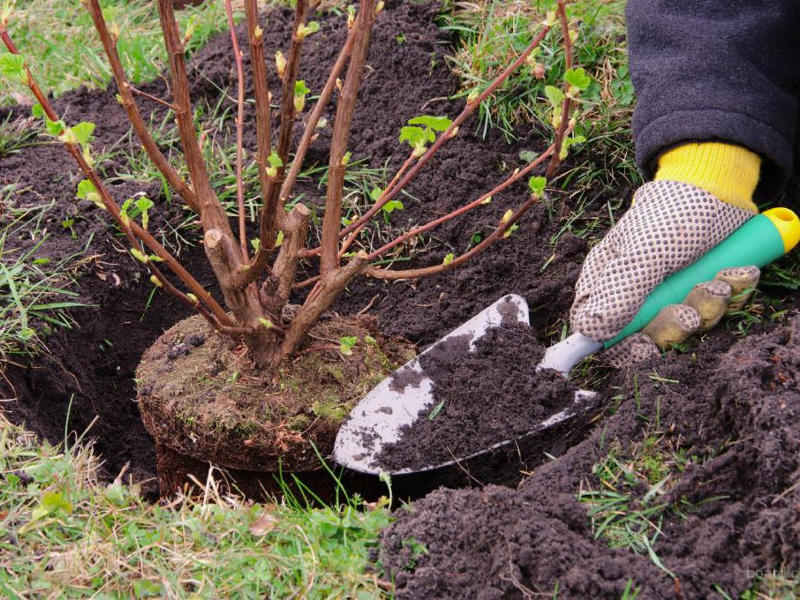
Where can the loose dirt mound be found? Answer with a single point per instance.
(730, 511)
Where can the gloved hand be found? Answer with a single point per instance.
(669, 226)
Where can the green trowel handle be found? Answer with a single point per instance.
(761, 240)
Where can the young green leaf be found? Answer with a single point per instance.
(417, 138)
(577, 78)
(275, 163)
(300, 88)
(280, 63)
(83, 132)
(392, 206)
(346, 344)
(304, 31)
(86, 187)
(554, 95)
(256, 244)
(568, 143)
(144, 204)
(435, 123)
(123, 211)
(37, 110)
(279, 238)
(300, 93)
(448, 259)
(413, 135)
(12, 66)
(375, 194)
(155, 281)
(139, 255)
(266, 323)
(87, 191)
(54, 128)
(536, 185)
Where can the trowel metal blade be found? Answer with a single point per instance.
(401, 398)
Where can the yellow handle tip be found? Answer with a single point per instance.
(788, 225)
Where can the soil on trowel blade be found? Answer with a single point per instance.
(481, 397)
(719, 425)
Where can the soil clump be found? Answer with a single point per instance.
(482, 397)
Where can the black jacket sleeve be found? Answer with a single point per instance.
(723, 70)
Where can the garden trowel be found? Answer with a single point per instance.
(400, 399)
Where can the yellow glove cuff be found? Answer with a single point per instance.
(727, 171)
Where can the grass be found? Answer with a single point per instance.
(492, 33)
(619, 513)
(14, 136)
(59, 40)
(64, 534)
(35, 291)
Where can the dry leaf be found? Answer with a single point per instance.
(264, 524)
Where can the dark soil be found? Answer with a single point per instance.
(200, 395)
(483, 397)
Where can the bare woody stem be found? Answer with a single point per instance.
(501, 229)
(287, 114)
(237, 57)
(244, 303)
(566, 106)
(516, 176)
(267, 235)
(212, 214)
(263, 131)
(285, 266)
(129, 104)
(314, 117)
(319, 300)
(331, 224)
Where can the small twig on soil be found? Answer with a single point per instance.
(144, 94)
